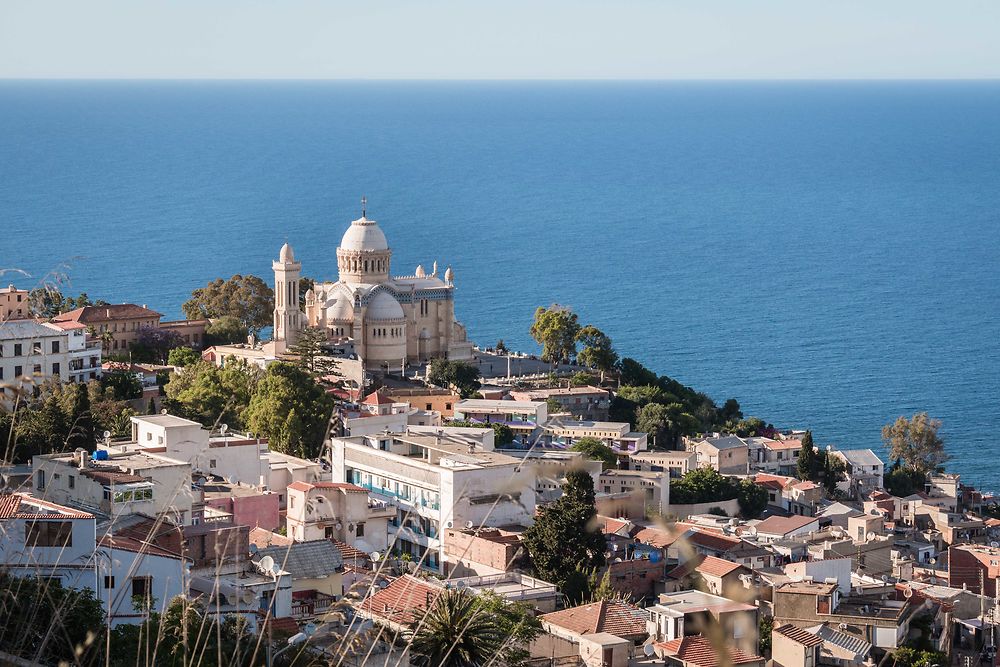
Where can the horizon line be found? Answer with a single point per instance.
(846, 79)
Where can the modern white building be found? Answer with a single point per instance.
(865, 471)
(619, 436)
(436, 482)
(525, 418)
(136, 578)
(84, 352)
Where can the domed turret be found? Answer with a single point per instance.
(449, 275)
(420, 273)
(286, 254)
(363, 256)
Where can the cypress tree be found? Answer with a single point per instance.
(807, 464)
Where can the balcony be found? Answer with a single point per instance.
(310, 607)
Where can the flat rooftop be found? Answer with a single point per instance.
(687, 602)
(488, 405)
(557, 423)
(165, 420)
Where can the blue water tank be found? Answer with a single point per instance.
(100, 455)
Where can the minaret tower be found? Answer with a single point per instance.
(288, 317)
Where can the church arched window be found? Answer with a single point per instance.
(366, 266)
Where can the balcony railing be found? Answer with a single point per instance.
(314, 606)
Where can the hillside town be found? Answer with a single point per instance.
(333, 473)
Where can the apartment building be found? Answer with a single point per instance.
(123, 321)
(33, 350)
(84, 352)
(581, 403)
(14, 304)
(619, 436)
(436, 482)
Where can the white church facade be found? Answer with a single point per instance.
(390, 319)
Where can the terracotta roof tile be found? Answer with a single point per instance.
(712, 540)
(351, 554)
(263, 538)
(686, 568)
(782, 525)
(120, 311)
(617, 618)
(717, 567)
(403, 601)
(24, 506)
(698, 650)
(136, 546)
(309, 486)
(658, 537)
(799, 635)
(377, 398)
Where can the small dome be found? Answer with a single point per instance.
(364, 234)
(449, 275)
(384, 307)
(420, 273)
(339, 310)
(310, 296)
(286, 254)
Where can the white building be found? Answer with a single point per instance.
(136, 578)
(115, 483)
(436, 481)
(43, 539)
(864, 471)
(30, 349)
(619, 436)
(525, 418)
(84, 352)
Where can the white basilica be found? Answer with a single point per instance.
(389, 319)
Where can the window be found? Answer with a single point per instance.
(18, 371)
(72, 481)
(36, 369)
(142, 587)
(55, 347)
(17, 349)
(211, 463)
(360, 532)
(291, 501)
(40, 480)
(36, 348)
(48, 534)
(55, 369)
(109, 582)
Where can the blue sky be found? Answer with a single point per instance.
(474, 39)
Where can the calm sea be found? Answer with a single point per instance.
(828, 253)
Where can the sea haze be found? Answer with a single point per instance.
(825, 252)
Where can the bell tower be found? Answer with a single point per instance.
(288, 317)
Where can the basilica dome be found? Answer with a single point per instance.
(339, 310)
(364, 235)
(384, 307)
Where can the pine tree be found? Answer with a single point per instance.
(807, 458)
(151, 406)
(564, 539)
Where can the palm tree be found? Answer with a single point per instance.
(456, 632)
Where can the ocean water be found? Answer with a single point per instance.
(827, 253)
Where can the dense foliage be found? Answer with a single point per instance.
(915, 442)
(208, 394)
(290, 409)
(596, 450)
(598, 352)
(47, 302)
(248, 299)
(706, 485)
(555, 328)
(310, 353)
(565, 544)
(182, 356)
(153, 345)
(225, 330)
(463, 376)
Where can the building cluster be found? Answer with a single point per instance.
(420, 491)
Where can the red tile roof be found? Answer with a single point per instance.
(403, 601)
(799, 635)
(782, 525)
(23, 506)
(614, 525)
(686, 568)
(617, 618)
(285, 625)
(377, 398)
(711, 540)
(120, 311)
(309, 486)
(783, 444)
(698, 650)
(350, 553)
(264, 538)
(717, 567)
(136, 546)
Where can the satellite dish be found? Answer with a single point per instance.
(248, 596)
(163, 411)
(253, 549)
(309, 630)
(469, 524)
(907, 593)
(223, 429)
(267, 564)
(648, 650)
(618, 560)
(376, 556)
(107, 434)
(842, 626)
(339, 526)
(870, 536)
(751, 531)
(450, 524)
(885, 578)
(995, 544)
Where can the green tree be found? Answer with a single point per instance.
(555, 329)
(598, 352)
(182, 356)
(808, 462)
(44, 622)
(916, 442)
(310, 353)
(666, 423)
(501, 348)
(752, 499)
(582, 379)
(151, 406)
(731, 410)
(503, 435)
(901, 482)
(635, 374)
(153, 345)
(565, 537)
(517, 623)
(833, 471)
(225, 330)
(596, 450)
(209, 394)
(463, 376)
(247, 298)
(291, 410)
(766, 625)
(553, 406)
(122, 382)
(82, 432)
(455, 632)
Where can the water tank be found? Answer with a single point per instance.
(100, 455)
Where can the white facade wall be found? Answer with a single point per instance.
(72, 564)
(29, 348)
(166, 579)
